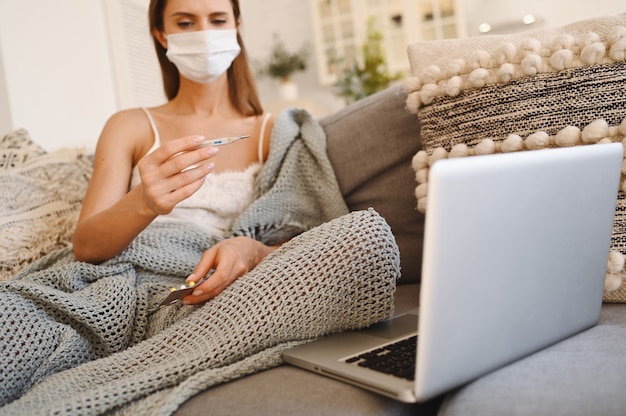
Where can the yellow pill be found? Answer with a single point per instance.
(173, 289)
(191, 284)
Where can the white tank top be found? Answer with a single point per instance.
(222, 197)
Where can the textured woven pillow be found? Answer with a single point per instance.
(529, 91)
(39, 203)
(16, 147)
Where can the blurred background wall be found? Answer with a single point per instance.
(66, 66)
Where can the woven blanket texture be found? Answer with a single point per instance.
(94, 323)
(296, 189)
(79, 338)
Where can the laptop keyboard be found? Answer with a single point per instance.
(396, 359)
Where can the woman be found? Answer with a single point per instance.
(84, 336)
(158, 151)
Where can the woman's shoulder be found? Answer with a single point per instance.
(271, 117)
(132, 117)
(268, 120)
(267, 126)
(128, 128)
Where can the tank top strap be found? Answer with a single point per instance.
(157, 137)
(155, 131)
(262, 138)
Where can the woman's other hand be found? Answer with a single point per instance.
(231, 259)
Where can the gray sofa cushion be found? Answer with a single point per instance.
(583, 375)
(370, 145)
(288, 390)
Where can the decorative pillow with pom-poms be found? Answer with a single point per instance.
(527, 91)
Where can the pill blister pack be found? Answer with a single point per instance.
(177, 293)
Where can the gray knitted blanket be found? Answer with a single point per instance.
(78, 338)
(297, 188)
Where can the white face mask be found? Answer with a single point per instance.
(203, 56)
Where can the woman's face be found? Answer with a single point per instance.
(193, 15)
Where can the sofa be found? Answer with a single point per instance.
(372, 145)
(547, 88)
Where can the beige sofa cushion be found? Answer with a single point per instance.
(16, 147)
(40, 200)
(370, 145)
(528, 91)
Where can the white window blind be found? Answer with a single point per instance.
(136, 68)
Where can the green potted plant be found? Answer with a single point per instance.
(282, 64)
(359, 79)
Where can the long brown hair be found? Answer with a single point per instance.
(241, 85)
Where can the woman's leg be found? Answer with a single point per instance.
(335, 277)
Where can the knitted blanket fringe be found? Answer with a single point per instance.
(90, 346)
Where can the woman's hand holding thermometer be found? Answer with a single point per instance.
(214, 142)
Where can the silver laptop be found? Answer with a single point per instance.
(515, 254)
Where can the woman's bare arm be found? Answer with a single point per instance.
(112, 216)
